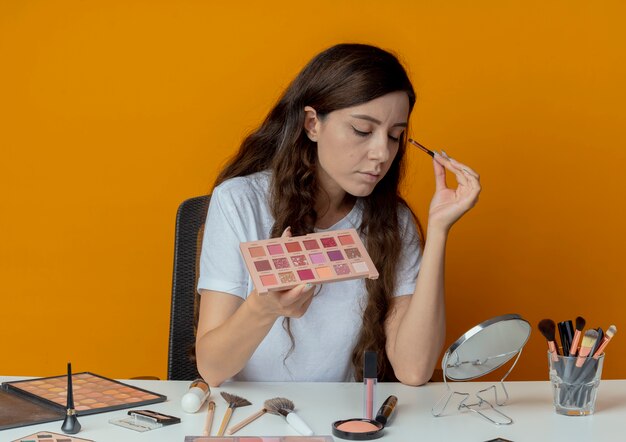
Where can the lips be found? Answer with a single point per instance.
(370, 176)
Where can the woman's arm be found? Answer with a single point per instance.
(416, 325)
(230, 329)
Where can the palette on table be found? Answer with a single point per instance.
(45, 399)
(47, 436)
(284, 263)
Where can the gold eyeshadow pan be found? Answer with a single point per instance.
(283, 263)
(92, 394)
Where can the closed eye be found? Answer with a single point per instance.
(360, 132)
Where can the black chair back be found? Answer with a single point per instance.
(190, 220)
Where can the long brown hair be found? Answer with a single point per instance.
(342, 76)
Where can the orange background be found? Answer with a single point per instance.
(113, 112)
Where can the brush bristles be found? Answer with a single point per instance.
(547, 328)
(580, 323)
(278, 403)
(590, 338)
(234, 401)
(611, 331)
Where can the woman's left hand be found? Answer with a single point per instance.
(448, 205)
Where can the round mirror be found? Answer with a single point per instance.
(485, 347)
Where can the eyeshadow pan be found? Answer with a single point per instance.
(317, 258)
(346, 240)
(293, 247)
(275, 249)
(282, 263)
(262, 266)
(360, 267)
(335, 255)
(323, 272)
(353, 253)
(329, 242)
(256, 252)
(268, 280)
(299, 260)
(306, 274)
(287, 277)
(342, 269)
(310, 244)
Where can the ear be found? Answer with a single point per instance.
(311, 123)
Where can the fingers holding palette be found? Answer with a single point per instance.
(283, 263)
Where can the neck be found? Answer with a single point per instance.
(331, 207)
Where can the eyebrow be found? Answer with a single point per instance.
(374, 120)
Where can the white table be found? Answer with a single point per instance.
(319, 404)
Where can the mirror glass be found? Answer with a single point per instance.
(485, 347)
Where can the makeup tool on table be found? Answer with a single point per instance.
(48, 436)
(208, 423)
(370, 378)
(145, 420)
(246, 421)
(363, 428)
(422, 148)
(198, 392)
(70, 423)
(590, 338)
(605, 341)
(284, 263)
(233, 402)
(259, 439)
(481, 350)
(580, 324)
(284, 407)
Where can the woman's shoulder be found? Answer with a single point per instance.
(253, 186)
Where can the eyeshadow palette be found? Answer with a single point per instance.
(47, 436)
(45, 399)
(283, 263)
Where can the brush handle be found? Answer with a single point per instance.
(225, 420)
(246, 421)
(298, 424)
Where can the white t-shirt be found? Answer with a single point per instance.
(326, 334)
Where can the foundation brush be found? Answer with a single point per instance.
(233, 402)
(285, 407)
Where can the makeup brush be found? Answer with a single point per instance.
(285, 407)
(422, 148)
(598, 341)
(547, 329)
(70, 423)
(233, 402)
(208, 423)
(605, 341)
(246, 421)
(585, 347)
(566, 332)
(580, 324)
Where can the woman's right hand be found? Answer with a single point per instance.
(292, 303)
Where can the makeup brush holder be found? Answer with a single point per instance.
(575, 389)
(481, 350)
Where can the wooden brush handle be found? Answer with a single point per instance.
(246, 421)
(225, 420)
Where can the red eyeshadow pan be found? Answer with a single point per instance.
(293, 247)
(311, 244)
(329, 242)
(306, 274)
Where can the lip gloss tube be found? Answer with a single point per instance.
(370, 379)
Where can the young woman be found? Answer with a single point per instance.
(329, 155)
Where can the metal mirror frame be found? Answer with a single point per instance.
(499, 361)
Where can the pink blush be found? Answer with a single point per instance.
(357, 427)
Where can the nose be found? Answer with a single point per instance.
(379, 149)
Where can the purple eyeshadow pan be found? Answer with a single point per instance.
(335, 255)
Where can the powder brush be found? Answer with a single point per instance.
(580, 324)
(233, 402)
(285, 407)
(547, 327)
